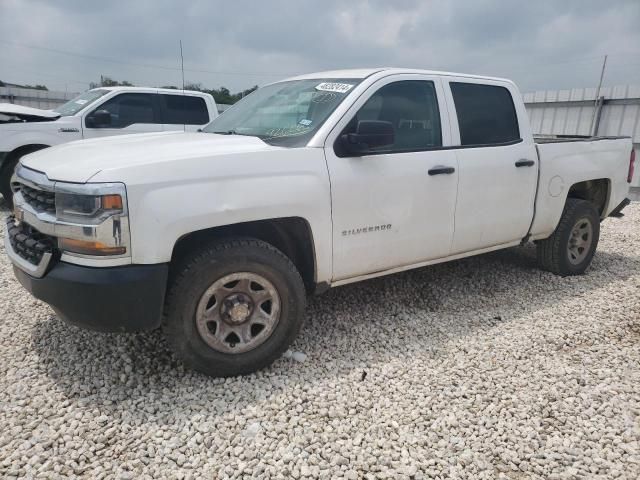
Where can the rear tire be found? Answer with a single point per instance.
(570, 249)
(216, 316)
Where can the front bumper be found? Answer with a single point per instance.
(111, 299)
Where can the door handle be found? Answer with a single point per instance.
(441, 170)
(525, 163)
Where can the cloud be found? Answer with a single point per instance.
(542, 44)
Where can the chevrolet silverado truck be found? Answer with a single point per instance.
(97, 113)
(313, 182)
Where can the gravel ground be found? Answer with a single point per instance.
(480, 368)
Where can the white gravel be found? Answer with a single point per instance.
(481, 368)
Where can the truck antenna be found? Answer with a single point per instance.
(184, 127)
(595, 120)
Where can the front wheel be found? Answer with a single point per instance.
(234, 307)
(8, 169)
(6, 172)
(570, 249)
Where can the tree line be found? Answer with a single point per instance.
(32, 87)
(221, 95)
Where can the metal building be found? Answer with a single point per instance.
(576, 112)
(30, 97)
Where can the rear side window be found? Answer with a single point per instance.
(486, 114)
(184, 109)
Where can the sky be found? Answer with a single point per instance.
(541, 44)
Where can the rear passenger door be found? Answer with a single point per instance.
(183, 112)
(497, 162)
(129, 113)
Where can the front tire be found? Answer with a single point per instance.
(570, 249)
(234, 307)
(9, 167)
(6, 172)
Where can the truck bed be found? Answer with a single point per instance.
(565, 161)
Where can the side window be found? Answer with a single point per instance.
(486, 114)
(411, 106)
(184, 109)
(130, 108)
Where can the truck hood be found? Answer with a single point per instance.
(10, 111)
(81, 160)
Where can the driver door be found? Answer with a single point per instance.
(128, 113)
(395, 207)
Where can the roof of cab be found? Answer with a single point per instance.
(153, 89)
(367, 72)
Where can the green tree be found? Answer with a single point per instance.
(223, 95)
(110, 82)
(220, 95)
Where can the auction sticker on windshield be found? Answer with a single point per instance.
(334, 87)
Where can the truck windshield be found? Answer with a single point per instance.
(286, 113)
(74, 106)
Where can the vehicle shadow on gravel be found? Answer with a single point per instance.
(411, 313)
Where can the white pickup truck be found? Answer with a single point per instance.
(97, 113)
(308, 183)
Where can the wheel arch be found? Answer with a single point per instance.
(23, 150)
(596, 191)
(8, 165)
(18, 152)
(291, 235)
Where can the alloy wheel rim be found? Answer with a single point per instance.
(580, 241)
(238, 312)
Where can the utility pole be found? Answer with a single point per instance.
(595, 120)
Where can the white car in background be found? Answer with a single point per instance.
(100, 112)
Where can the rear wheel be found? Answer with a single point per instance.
(234, 307)
(570, 249)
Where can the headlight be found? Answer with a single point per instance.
(92, 219)
(92, 209)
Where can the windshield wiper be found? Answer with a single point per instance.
(227, 132)
(233, 132)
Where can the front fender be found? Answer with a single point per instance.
(285, 183)
(14, 140)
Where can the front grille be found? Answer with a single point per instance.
(27, 242)
(40, 200)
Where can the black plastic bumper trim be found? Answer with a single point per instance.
(113, 299)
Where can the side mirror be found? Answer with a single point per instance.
(370, 135)
(99, 119)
